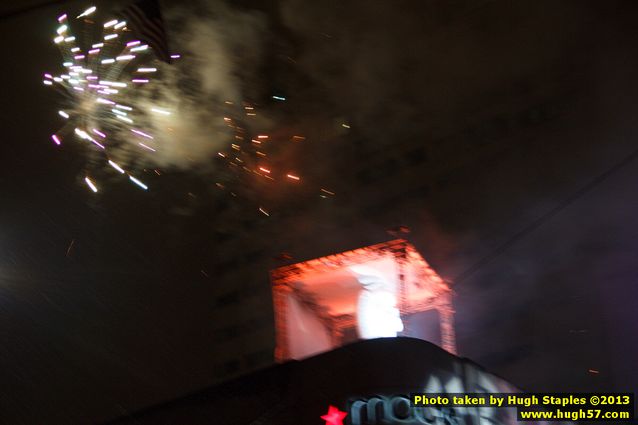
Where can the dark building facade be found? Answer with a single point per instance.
(369, 383)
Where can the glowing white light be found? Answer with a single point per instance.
(110, 36)
(110, 23)
(175, 56)
(139, 49)
(95, 46)
(58, 79)
(137, 182)
(88, 11)
(139, 81)
(112, 83)
(106, 61)
(67, 64)
(117, 167)
(147, 69)
(94, 51)
(126, 108)
(160, 111)
(63, 114)
(58, 39)
(62, 18)
(90, 183)
(120, 113)
(69, 39)
(104, 101)
(47, 83)
(125, 57)
(377, 314)
(120, 25)
(133, 43)
(99, 133)
(56, 140)
(62, 29)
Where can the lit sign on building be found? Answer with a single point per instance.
(396, 409)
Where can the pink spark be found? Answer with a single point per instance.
(147, 147)
(141, 133)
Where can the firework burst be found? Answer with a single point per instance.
(124, 106)
(105, 71)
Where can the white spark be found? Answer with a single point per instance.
(137, 182)
(90, 183)
(88, 11)
(117, 167)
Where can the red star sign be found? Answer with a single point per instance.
(334, 416)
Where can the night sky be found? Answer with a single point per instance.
(527, 111)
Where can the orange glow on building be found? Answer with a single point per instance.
(330, 301)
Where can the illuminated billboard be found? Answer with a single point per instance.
(384, 290)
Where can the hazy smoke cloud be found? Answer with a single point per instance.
(221, 50)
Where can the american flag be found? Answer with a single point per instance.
(145, 19)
